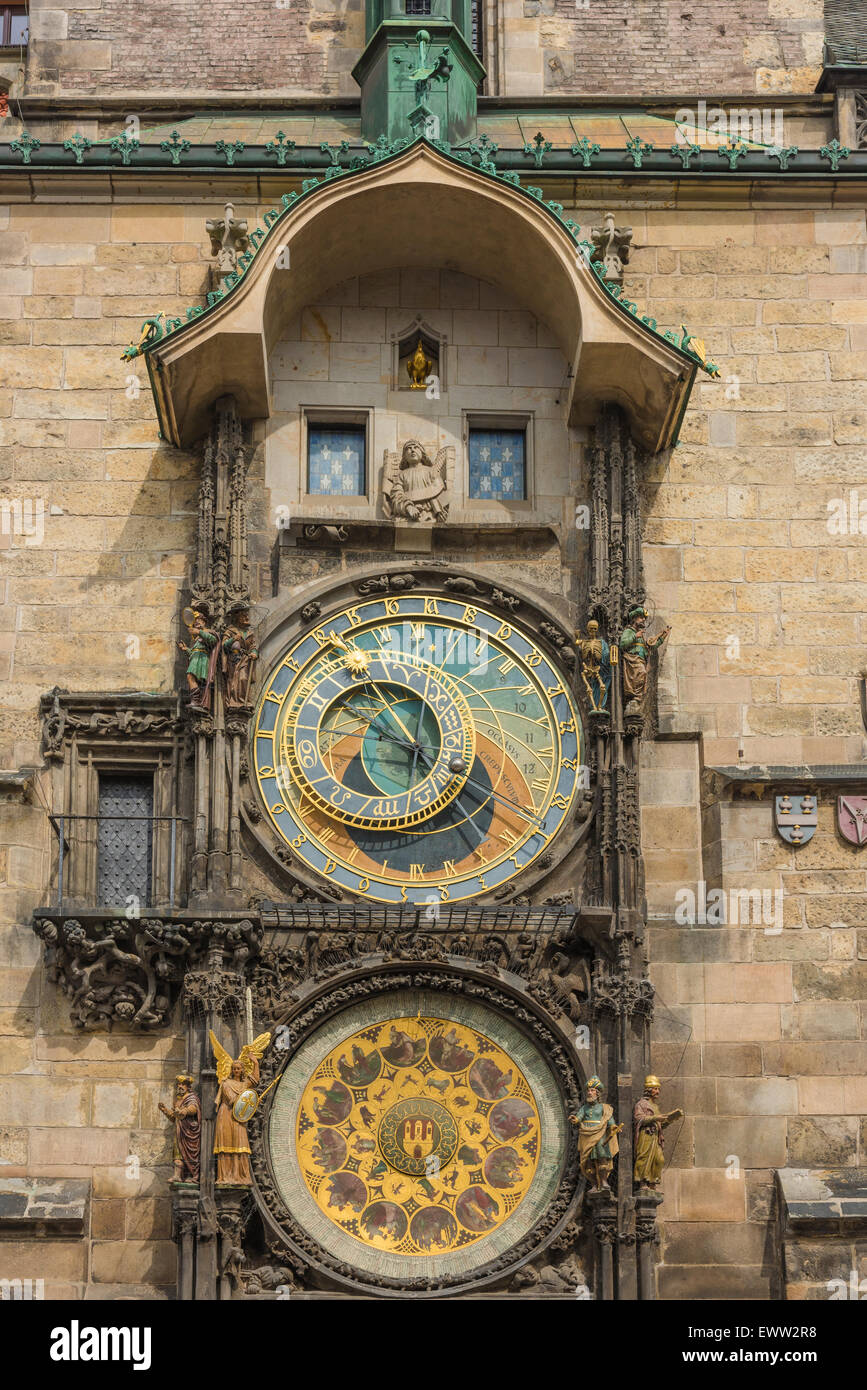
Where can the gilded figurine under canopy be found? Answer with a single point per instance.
(419, 368)
(202, 651)
(186, 1115)
(231, 1146)
(415, 488)
(648, 1123)
(597, 1136)
(240, 654)
(635, 649)
(595, 666)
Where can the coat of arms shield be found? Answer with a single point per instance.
(796, 818)
(852, 819)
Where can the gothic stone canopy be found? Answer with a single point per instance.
(437, 209)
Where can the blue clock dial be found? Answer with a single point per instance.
(417, 749)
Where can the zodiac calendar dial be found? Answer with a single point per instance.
(418, 1136)
(417, 749)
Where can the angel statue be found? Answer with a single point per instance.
(230, 1138)
(416, 489)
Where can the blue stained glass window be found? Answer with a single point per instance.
(497, 465)
(335, 461)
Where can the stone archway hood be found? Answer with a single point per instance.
(420, 207)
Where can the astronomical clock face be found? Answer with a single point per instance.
(417, 749)
(422, 1142)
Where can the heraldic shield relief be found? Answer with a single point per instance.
(852, 819)
(796, 818)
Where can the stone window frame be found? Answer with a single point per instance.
(501, 420)
(102, 741)
(6, 13)
(338, 417)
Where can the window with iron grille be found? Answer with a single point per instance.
(14, 26)
(125, 843)
(418, 7)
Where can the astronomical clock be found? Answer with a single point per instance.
(417, 757)
(416, 748)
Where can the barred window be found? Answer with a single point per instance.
(125, 843)
(418, 7)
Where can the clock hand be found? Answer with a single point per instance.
(389, 709)
(417, 748)
(496, 796)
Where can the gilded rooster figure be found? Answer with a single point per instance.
(418, 368)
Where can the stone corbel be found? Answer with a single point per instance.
(612, 245)
(130, 970)
(229, 240)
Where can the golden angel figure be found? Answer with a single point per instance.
(230, 1139)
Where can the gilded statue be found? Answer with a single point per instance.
(231, 1146)
(202, 652)
(595, 666)
(416, 488)
(186, 1115)
(648, 1123)
(419, 368)
(240, 655)
(635, 649)
(597, 1136)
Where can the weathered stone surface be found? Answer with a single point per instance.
(695, 1282)
(756, 1141)
(139, 1261)
(822, 1141)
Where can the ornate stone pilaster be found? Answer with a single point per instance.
(185, 1225)
(603, 1216)
(622, 996)
(221, 584)
(647, 1238)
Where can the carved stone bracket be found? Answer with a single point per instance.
(619, 993)
(103, 717)
(129, 970)
(612, 247)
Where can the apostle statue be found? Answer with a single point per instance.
(415, 489)
(231, 1146)
(635, 650)
(595, 666)
(597, 1136)
(186, 1113)
(240, 655)
(202, 655)
(648, 1122)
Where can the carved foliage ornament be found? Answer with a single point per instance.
(128, 970)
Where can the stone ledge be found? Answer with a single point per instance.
(43, 1207)
(823, 1201)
